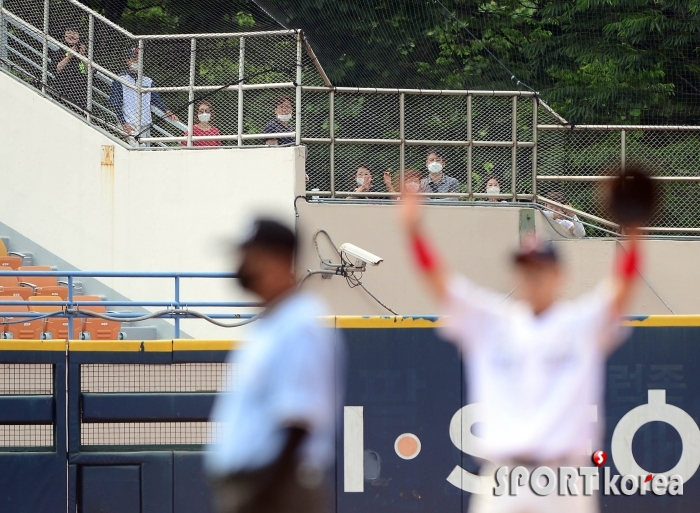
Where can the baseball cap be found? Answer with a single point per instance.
(131, 52)
(269, 234)
(536, 251)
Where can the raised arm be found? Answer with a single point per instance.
(626, 274)
(426, 258)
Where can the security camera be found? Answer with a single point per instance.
(360, 254)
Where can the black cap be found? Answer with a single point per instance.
(270, 234)
(131, 52)
(536, 252)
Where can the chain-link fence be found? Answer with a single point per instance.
(165, 91)
(267, 88)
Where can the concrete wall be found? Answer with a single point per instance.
(477, 242)
(149, 211)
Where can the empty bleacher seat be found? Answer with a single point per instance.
(10, 260)
(95, 328)
(54, 327)
(13, 291)
(43, 285)
(27, 329)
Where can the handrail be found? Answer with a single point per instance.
(176, 309)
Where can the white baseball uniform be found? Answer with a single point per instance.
(288, 375)
(537, 377)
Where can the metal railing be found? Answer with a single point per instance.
(176, 309)
(245, 79)
(240, 75)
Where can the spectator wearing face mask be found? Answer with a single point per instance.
(559, 215)
(204, 113)
(363, 180)
(493, 187)
(411, 181)
(124, 100)
(437, 180)
(283, 115)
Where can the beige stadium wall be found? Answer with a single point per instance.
(149, 211)
(477, 241)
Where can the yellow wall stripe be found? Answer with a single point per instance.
(32, 345)
(205, 345)
(385, 322)
(665, 321)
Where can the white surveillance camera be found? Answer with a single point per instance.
(360, 254)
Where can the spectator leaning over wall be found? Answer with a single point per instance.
(70, 73)
(559, 215)
(124, 100)
(283, 115)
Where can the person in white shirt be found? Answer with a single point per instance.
(557, 214)
(536, 364)
(278, 427)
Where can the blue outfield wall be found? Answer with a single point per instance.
(401, 378)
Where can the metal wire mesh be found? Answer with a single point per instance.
(183, 377)
(150, 433)
(26, 379)
(262, 109)
(15, 436)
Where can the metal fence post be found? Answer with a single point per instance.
(177, 305)
(514, 149)
(70, 305)
(535, 105)
(45, 48)
(241, 65)
(190, 106)
(470, 145)
(91, 70)
(623, 149)
(331, 115)
(402, 138)
(3, 38)
(139, 86)
(298, 91)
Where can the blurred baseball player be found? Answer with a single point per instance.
(278, 436)
(535, 364)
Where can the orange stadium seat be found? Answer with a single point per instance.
(56, 327)
(16, 292)
(27, 330)
(11, 283)
(95, 328)
(43, 285)
(11, 262)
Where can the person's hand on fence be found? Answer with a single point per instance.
(171, 115)
(387, 181)
(128, 128)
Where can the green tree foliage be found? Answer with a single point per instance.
(594, 61)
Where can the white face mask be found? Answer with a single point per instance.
(493, 190)
(412, 186)
(134, 66)
(434, 167)
(204, 117)
(284, 117)
(360, 180)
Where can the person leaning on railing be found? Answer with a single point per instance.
(70, 73)
(438, 181)
(283, 115)
(124, 100)
(205, 113)
(557, 214)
